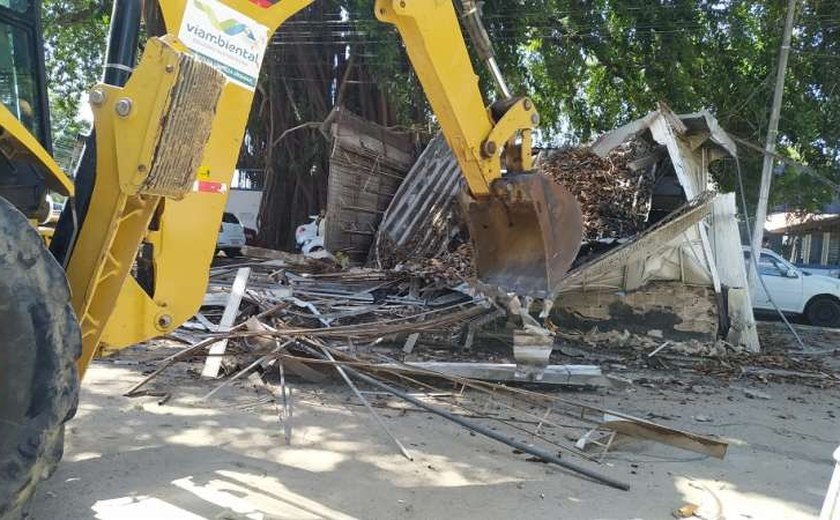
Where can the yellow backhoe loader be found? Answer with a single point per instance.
(130, 255)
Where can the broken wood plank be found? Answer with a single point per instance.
(643, 429)
(408, 348)
(214, 361)
(209, 325)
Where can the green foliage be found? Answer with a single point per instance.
(590, 65)
(378, 52)
(75, 33)
(594, 65)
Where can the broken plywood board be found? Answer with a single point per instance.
(644, 429)
(367, 165)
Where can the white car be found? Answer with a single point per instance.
(795, 291)
(56, 208)
(310, 237)
(231, 236)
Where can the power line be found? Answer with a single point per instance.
(804, 168)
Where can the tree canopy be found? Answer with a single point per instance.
(590, 65)
(75, 33)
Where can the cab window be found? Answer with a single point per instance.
(19, 6)
(768, 264)
(19, 90)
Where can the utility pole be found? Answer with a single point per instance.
(770, 143)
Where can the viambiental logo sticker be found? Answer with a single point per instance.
(226, 39)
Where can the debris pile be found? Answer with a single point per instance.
(356, 303)
(716, 359)
(614, 199)
(595, 340)
(298, 323)
(767, 368)
(449, 269)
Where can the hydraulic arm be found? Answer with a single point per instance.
(137, 236)
(526, 229)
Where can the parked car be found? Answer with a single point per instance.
(56, 207)
(814, 296)
(831, 271)
(310, 237)
(231, 235)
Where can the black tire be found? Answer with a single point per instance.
(233, 252)
(823, 311)
(40, 343)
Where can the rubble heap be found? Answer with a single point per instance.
(614, 199)
(450, 268)
(286, 322)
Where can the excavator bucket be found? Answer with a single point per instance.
(526, 235)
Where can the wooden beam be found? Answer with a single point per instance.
(214, 360)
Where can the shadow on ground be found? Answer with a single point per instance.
(132, 458)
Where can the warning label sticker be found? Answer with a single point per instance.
(226, 39)
(209, 187)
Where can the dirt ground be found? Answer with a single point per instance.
(132, 458)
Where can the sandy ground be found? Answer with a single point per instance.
(188, 460)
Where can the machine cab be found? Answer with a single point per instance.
(22, 85)
(24, 114)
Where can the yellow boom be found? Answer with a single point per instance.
(515, 219)
(153, 181)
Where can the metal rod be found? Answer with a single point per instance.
(475, 414)
(482, 44)
(487, 432)
(498, 78)
(286, 416)
(246, 370)
(365, 402)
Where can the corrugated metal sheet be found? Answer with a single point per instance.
(422, 216)
(367, 165)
